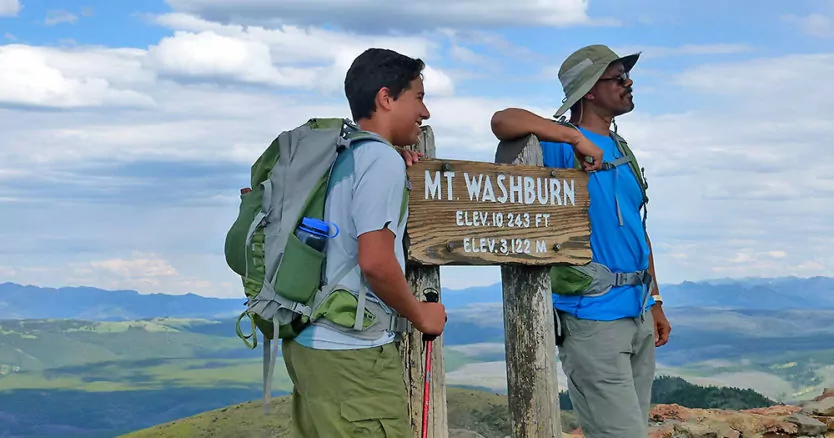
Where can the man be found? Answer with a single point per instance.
(606, 334)
(346, 386)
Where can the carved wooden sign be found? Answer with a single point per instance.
(478, 213)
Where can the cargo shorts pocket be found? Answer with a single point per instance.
(376, 417)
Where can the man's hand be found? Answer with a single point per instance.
(410, 156)
(585, 148)
(661, 326)
(431, 318)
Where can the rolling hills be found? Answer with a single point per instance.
(468, 410)
(95, 363)
(88, 303)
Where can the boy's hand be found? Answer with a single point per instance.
(409, 156)
(431, 318)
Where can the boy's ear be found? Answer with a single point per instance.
(384, 99)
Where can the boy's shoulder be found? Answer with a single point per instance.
(374, 152)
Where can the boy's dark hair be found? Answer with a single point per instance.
(375, 69)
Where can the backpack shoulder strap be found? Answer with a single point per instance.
(355, 135)
(628, 156)
(404, 202)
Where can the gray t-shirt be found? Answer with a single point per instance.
(366, 195)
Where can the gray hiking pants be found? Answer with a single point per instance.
(610, 367)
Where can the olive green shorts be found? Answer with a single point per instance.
(347, 393)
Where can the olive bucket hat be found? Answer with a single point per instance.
(582, 69)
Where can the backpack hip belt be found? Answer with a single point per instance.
(595, 279)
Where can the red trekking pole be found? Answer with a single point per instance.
(431, 297)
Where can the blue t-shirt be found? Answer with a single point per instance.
(620, 248)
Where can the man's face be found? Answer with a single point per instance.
(408, 113)
(612, 92)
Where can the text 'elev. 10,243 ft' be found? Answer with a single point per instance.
(475, 213)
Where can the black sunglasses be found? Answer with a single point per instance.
(622, 78)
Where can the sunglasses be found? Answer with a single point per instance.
(622, 78)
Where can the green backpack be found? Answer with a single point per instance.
(595, 279)
(283, 278)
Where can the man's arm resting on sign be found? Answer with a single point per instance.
(513, 123)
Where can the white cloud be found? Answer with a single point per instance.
(684, 50)
(791, 81)
(209, 55)
(138, 267)
(9, 8)
(288, 56)
(57, 16)
(728, 181)
(363, 14)
(467, 55)
(814, 24)
(489, 41)
(146, 273)
(29, 78)
(743, 187)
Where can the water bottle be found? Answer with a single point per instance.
(315, 232)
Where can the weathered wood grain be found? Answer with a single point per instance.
(424, 279)
(529, 331)
(477, 213)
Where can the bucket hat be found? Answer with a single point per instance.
(582, 69)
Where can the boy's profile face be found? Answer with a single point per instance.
(407, 113)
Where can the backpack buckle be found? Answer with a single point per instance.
(398, 324)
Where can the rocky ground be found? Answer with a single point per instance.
(811, 419)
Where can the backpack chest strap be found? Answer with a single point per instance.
(608, 165)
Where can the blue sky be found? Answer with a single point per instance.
(129, 127)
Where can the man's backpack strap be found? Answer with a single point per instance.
(639, 172)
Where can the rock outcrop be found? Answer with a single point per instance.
(811, 419)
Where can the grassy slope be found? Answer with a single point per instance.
(135, 355)
(177, 352)
(479, 411)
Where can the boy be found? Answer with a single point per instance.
(346, 386)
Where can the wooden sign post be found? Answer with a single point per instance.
(516, 214)
(530, 343)
(424, 278)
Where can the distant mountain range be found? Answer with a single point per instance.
(25, 302)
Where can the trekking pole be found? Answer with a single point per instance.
(431, 297)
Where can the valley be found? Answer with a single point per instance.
(99, 376)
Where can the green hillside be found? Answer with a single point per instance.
(479, 411)
(101, 379)
(470, 409)
(47, 343)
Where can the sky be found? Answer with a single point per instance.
(127, 128)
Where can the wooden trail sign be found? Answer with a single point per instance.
(422, 279)
(479, 213)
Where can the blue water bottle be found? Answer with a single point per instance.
(315, 232)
